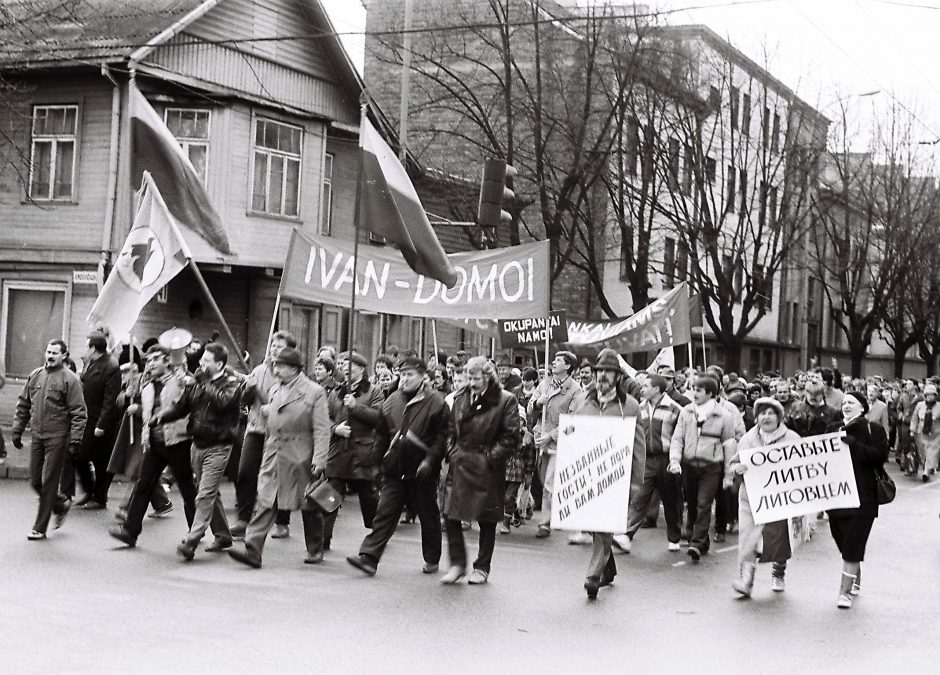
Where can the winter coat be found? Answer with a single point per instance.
(354, 458)
(623, 406)
(213, 407)
(561, 401)
(521, 464)
(257, 393)
(712, 443)
(928, 444)
(878, 412)
(483, 435)
(776, 534)
(52, 404)
(297, 437)
(101, 384)
(810, 420)
(868, 443)
(410, 430)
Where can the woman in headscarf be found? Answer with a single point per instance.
(925, 429)
(868, 444)
(771, 539)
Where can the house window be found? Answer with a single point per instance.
(762, 196)
(746, 115)
(326, 206)
(711, 168)
(682, 261)
(276, 168)
(52, 159)
(763, 287)
(190, 127)
(772, 206)
(33, 314)
(732, 189)
(688, 169)
(765, 127)
(673, 163)
(735, 106)
(669, 263)
(775, 134)
(633, 145)
(742, 186)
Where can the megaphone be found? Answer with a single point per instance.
(176, 340)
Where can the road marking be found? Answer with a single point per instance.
(726, 549)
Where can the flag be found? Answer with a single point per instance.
(665, 357)
(155, 150)
(389, 207)
(695, 311)
(153, 253)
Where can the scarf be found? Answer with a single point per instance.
(928, 417)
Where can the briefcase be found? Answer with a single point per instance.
(324, 497)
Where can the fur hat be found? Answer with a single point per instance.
(768, 402)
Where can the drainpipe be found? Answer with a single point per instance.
(107, 230)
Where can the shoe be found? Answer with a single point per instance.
(81, 502)
(244, 556)
(363, 563)
(61, 516)
(281, 532)
(430, 568)
(92, 505)
(407, 520)
(186, 551)
(591, 585)
(580, 539)
(648, 525)
(673, 546)
(777, 584)
(219, 545)
(123, 536)
(313, 558)
(35, 535)
(162, 513)
(478, 577)
(745, 584)
(694, 553)
(505, 525)
(718, 537)
(543, 532)
(238, 529)
(121, 515)
(623, 542)
(453, 575)
(925, 478)
(606, 580)
(856, 585)
(845, 591)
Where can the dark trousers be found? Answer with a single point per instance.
(701, 484)
(264, 519)
(368, 502)
(726, 508)
(457, 548)
(94, 452)
(391, 502)
(246, 482)
(656, 478)
(155, 460)
(158, 498)
(46, 458)
(509, 498)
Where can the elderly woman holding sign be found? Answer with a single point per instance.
(868, 443)
(771, 539)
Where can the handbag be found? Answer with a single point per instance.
(886, 487)
(323, 497)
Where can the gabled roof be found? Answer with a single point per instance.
(46, 32)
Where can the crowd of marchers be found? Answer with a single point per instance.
(449, 442)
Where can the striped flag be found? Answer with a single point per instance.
(389, 207)
(153, 253)
(155, 150)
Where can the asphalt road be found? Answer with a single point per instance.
(80, 602)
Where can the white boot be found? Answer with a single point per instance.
(745, 583)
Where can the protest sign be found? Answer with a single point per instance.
(531, 331)
(794, 479)
(593, 463)
(508, 282)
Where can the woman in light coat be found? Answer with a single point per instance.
(771, 539)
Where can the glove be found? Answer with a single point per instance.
(316, 472)
(674, 468)
(17, 440)
(424, 470)
(739, 469)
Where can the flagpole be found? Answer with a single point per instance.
(351, 328)
(218, 313)
(691, 359)
(704, 358)
(434, 336)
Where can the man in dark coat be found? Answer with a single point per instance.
(409, 439)
(101, 384)
(484, 433)
(352, 461)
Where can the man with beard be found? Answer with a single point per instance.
(52, 402)
(409, 439)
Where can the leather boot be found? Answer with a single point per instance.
(845, 590)
(504, 527)
(745, 583)
(857, 584)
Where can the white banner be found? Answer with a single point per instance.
(795, 479)
(593, 464)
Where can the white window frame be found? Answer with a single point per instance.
(187, 141)
(22, 285)
(55, 139)
(271, 152)
(326, 194)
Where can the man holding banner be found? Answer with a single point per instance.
(608, 399)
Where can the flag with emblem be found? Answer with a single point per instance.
(153, 253)
(155, 150)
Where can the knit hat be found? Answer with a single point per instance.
(861, 398)
(768, 402)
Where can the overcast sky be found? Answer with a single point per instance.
(826, 50)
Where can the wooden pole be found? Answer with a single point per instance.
(351, 330)
(277, 308)
(218, 313)
(434, 337)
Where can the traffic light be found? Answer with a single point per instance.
(494, 192)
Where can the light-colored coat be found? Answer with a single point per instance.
(928, 444)
(561, 401)
(298, 436)
(714, 442)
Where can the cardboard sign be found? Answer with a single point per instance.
(523, 332)
(593, 463)
(795, 479)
